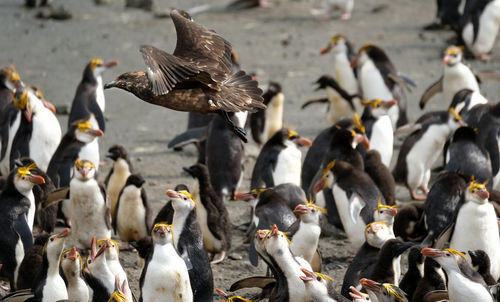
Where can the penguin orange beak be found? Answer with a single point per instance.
(326, 49)
(28, 114)
(319, 185)
(275, 232)
(49, 106)
(432, 253)
(93, 248)
(392, 211)
(371, 285)
(73, 254)
(447, 60)
(309, 276)
(356, 294)
(245, 196)
(302, 209)
(389, 104)
(101, 250)
(221, 293)
(110, 64)
(484, 194)
(172, 194)
(302, 141)
(63, 234)
(36, 179)
(363, 139)
(95, 132)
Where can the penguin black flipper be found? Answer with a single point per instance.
(320, 100)
(492, 148)
(333, 216)
(250, 282)
(262, 175)
(23, 230)
(148, 217)
(445, 236)
(192, 135)
(56, 196)
(430, 92)
(99, 116)
(107, 213)
(20, 143)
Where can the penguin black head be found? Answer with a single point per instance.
(95, 68)
(84, 169)
(117, 151)
(273, 89)
(181, 187)
(196, 171)
(136, 180)
(453, 55)
(465, 134)
(480, 260)
(84, 131)
(461, 99)
(344, 137)
(285, 135)
(324, 81)
(370, 52)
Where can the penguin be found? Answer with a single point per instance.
(118, 175)
(464, 284)
(264, 123)
(329, 6)
(132, 220)
(381, 175)
(414, 273)
(465, 100)
(212, 215)
(480, 24)
(31, 264)
(358, 296)
(376, 234)
(420, 150)
(89, 206)
(481, 263)
(224, 158)
(97, 274)
(39, 132)
(11, 119)
(385, 213)
(320, 287)
(387, 269)
(477, 216)
(71, 265)
(456, 76)
(279, 160)
(9, 81)
(292, 194)
(113, 263)
(355, 196)
(15, 207)
(188, 240)
(379, 79)
(383, 292)
(433, 279)
(408, 223)
(447, 16)
(89, 95)
(50, 286)
(165, 276)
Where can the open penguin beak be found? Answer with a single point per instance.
(355, 294)
(319, 185)
(221, 293)
(172, 194)
(309, 276)
(371, 285)
(36, 179)
(301, 209)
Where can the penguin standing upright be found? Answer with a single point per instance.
(264, 123)
(414, 273)
(479, 26)
(71, 266)
(279, 160)
(118, 175)
(481, 263)
(433, 279)
(132, 219)
(212, 215)
(113, 262)
(381, 175)
(165, 276)
(97, 273)
(387, 269)
(16, 237)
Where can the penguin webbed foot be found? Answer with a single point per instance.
(220, 257)
(416, 196)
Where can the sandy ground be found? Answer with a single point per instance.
(280, 44)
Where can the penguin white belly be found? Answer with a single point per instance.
(288, 165)
(372, 83)
(5, 162)
(344, 74)
(305, 241)
(456, 78)
(87, 213)
(54, 289)
(461, 289)
(354, 227)
(131, 216)
(99, 93)
(481, 221)
(489, 24)
(32, 209)
(166, 277)
(78, 291)
(19, 253)
(339, 108)
(274, 116)
(382, 139)
(476, 99)
(396, 266)
(90, 152)
(45, 137)
(212, 244)
(121, 171)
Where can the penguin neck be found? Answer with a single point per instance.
(163, 253)
(102, 272)
(205, 188)
(179, 221)
(51, 262)
(122, 167)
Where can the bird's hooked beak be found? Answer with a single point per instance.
(110, 85)
(302, 209)
(363, 139)
(28, 114)
(389, 104)
(326, 49)
(309, 276)
(371, 285)
(95, 132)
(36, 179)
(172, 194)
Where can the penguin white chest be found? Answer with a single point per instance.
(212, 244)
(131, 216)
(349, 211)
(90, 152)
(489, 24)
(288, 166)
(372, 83)
(339, 108)
(45, 137)
(305, 241)
(456, 78)
(5, 163)
(274, 116)
(461, 289)
(121, 171)
(382, 139)
(344, 74)
(99, 94)
(54, 289)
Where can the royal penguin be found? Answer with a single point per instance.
(31, 264)
(71, 267)
(385, 213)
(15, 206)
(481, 263)
(39, 132)
(97, 274)
(89, 206)
(464, 284)
(383, 292)
(212, 215)
(49, 285)
(381, 175)
(264, 123)
(379, 79)
(465, 100)
(118, 175)
(224, 158)
(279, 160)
(132, 220)
(420, 150)
(376, 234)
(456, 76)
(188, 240)
(477, 216)
(414, 273)
(320, 287)
(433, 279)
(165, 276)
(355, 196)
(480, 24)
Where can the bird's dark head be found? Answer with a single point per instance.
(135, 82)
(117, 151)
(323, 81)
(197, 171)
(182, 13)
(136, 180)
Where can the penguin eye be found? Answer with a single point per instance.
(381, 212)
(318, 278)
(52, 239)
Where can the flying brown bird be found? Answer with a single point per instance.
(196, 77)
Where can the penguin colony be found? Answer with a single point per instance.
(450, 236)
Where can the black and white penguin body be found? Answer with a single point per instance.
(224, 155)
(266, 122)
(464, 284)
(212, 215)
(188, 240)
(50, 286)
(481, 263)
(165, 276)
(39, 132)
(433, 278)
(456, 76)
(15, 207)
(88, 206)
(477, 216)
(383, 292)
(71, 266)
(480, 24)
(414, 273)
(279, 160)
(113, 263)
(464, 101)
(320, 287)
(118, 175)
(387, 269)
(420, 150)
(9, 81)
(132, 220)
(32, 263)
(97, 274)
(355, 196)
